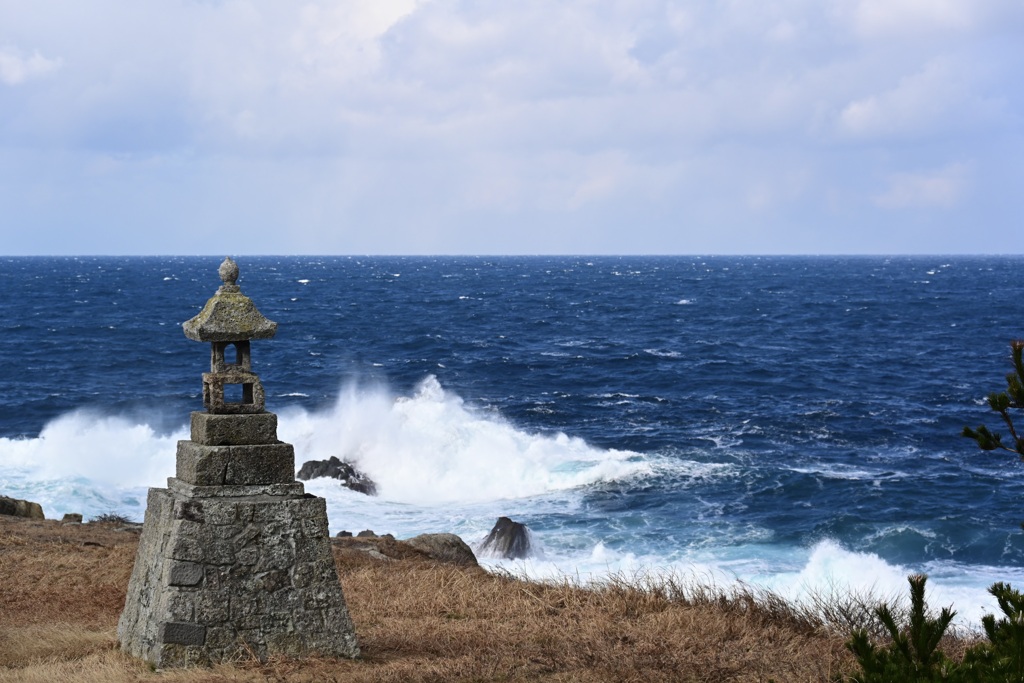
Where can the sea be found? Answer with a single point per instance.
(786, 423)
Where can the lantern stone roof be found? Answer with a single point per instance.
(229, 315)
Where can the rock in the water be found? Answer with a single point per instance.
(447, 548)
(509, 540)
(344, 471)
(21, 508)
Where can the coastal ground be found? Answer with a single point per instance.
(62, 588)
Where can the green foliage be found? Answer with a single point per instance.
(912, 655)
(1002, 658)
(1003, 403)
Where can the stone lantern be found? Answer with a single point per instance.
(229, 321)
(234, 557)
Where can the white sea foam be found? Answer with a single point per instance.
(85, 444)
(798, 575)
(430, 448)
(89, 463)
(829, 566)
(849, 473)
(663, 354)
(425, 449)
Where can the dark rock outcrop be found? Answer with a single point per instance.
(447, 548)
(509, 540)
(436, 548)
(344, 471)
(21, 508)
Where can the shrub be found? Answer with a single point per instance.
(912, 655)
(111, 518)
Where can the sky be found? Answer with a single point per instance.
(526, 127)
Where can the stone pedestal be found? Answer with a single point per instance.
(225, 573)
(235, 559)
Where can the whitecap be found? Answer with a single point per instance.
(430, 448)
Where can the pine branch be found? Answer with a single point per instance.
(1002, 403)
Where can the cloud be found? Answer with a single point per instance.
(939, 188)
(16, 68)
(427, 119)
(944, 94)
(940, 19)
(901, 16)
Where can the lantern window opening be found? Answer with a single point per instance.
(231, 355)
(238, 393)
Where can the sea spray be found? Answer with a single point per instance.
(89, 463)
(430, 448)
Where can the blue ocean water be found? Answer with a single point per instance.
(788, 421)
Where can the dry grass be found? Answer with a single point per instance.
(419, 621)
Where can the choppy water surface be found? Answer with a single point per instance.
(789, 421)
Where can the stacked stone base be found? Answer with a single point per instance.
(231, 571)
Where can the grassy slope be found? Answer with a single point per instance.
(62, 589)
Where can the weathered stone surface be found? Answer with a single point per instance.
(21, 508)
(240, 465)
(447, 548)
(509, 540)
(342, 470)
(292, 489)
(71, 518)
(386, 549)
(229, 315)
(179, 633)
(253, 399)
(285, 599)
(186, 574)
(210, 429)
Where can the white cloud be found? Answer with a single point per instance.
(873, 17)
(938, 20)
(340, 42)
(450, 112)
(943, 94)
(16, 68)
(939, 188)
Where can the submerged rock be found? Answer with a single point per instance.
(342, 470)
(21, 508)
(509, 540)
